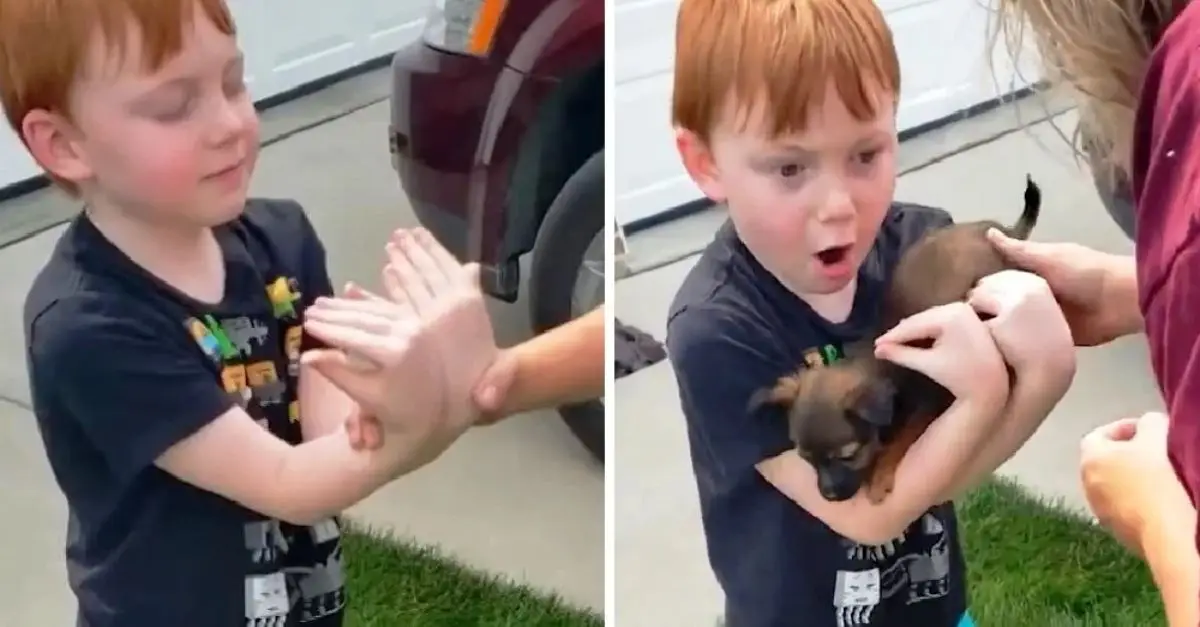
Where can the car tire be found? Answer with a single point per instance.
(574, 218)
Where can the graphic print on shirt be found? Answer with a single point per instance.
(915, 565)
(293, 339)
(284, 293)
(293, 572)
(321, 589)
(265, 386)
(244, 333)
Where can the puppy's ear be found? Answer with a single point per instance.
(776, 399)
(876, 402)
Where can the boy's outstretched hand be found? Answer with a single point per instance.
(412, 360)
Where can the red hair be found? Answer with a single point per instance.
(781, 54)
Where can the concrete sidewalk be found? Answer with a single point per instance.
(521, 499)
(663, 575)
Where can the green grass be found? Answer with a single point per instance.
(395, 583)
(1031, 564)
(1034, 564)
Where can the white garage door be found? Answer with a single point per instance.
(942, 48)
(285, 49)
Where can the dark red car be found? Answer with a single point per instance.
(498, 137)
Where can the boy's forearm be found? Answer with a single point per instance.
(1034, 396)
(322, 477)
(561, 366)
(1169, 547)
(924, 474)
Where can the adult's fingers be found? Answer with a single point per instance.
(489, 393)
(423, 259)
(1117, 431)
(1032, 256)
(409, 279)
(354, 433)
(449, 266)
(379, 307)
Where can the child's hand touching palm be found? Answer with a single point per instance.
(412, 360)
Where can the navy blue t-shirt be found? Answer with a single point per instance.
(734, 329)
(123, 366)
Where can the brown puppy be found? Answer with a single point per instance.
(855, 419)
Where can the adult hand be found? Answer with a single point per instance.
(1128, 480)
(1082, 281)
(490, 394)
(1027, 323)
(963, 357)
(411, 360)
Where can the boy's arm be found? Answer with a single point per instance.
(923, 476)
(144, 395)
(718, 370)
(1036, 392)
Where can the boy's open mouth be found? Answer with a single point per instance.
(833, 255)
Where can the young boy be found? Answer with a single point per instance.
(786, 111)
(164, 333)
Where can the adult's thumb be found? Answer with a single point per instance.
(492, 388)
(1025, 254)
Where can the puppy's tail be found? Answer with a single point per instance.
(1029, 215)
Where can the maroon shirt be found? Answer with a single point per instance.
(1166, 186)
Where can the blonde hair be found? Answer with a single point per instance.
(44, 44)
(781, 55)
(1098, 50)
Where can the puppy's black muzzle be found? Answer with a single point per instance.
(837, 481)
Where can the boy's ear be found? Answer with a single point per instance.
(698, 161)
(51, 143)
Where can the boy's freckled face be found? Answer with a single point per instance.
(176, 144)
(807, 205)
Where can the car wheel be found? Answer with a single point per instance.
(567, 278)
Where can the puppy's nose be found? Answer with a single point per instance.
(836, 486)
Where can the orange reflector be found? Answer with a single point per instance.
(483, 34)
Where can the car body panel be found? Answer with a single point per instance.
(483, 196)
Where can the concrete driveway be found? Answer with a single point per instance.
(521, 499)
(975, 169)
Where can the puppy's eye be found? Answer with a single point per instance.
(849, 450)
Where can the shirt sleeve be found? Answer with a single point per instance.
(134, 383)
(718, 366)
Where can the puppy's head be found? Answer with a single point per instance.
(835, 416)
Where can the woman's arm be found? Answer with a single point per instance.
(1119, 293)
(1169, 547)
(561, 366)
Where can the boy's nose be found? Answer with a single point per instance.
(836, 208)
